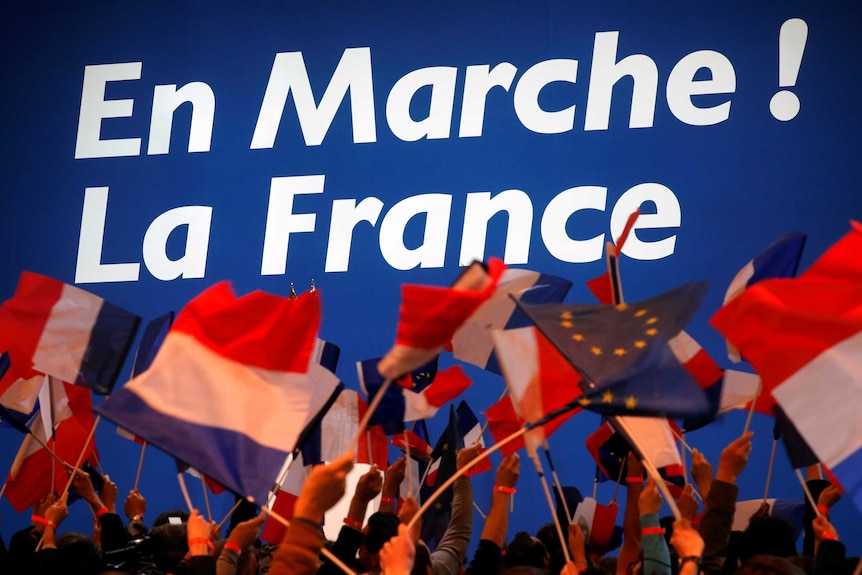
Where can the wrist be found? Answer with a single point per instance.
(350, 522)
(504, 489)
(233, 546)
(827, 536)
(823, 509)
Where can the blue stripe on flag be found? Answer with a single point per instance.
(228, 457)
(110, 341)
(152, 339)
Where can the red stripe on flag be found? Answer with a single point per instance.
(236, 327)
(447, 385)
(24, 316)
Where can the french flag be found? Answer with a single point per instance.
(67, 332)
(30, 477)
(230, 391)
(779, 260)
(19, 385)
(430, 315)
(540, 379)
(469, 433)
(400, 404)
(472, 342)
(285, 500)
(337, 429)
(804, 338)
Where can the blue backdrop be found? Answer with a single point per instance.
(414, 113)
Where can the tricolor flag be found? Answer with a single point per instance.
(803, 336)
(30, 477)
(791, 510)
(400, 404)
(19, 388)
(470, 432)
(66, 332)
(779, 260)
(429, 316)
(503, 421)
(230, 390)
(472, 342)
(285, 500)
(539, 378)
(603, 534)
(338, 427)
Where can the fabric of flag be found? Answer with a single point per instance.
(655, 439)
(67, 332)
(573, 499)
(429, 316)
(326, 354)
(470, 433)
(657, 384)
(419, 448)
(19, 389)
(603, 341)
(779, 260)
(539, 378)
(803, 336)
(600, 521)
(703, 369)
(606, 288)
(151, 340)
(444, 463)
(798, 452)
(736, 390)
(400, 404)
(472, 342)
(338, 427)
(503, 421)
(229, 391)
(30, 477)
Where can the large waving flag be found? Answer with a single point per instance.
(67, 332)
(229, 392)
(472, 342)
(804, 338)
(30, 477)
(603, 341)
(779, 260)
(422, 400)
(429, 316)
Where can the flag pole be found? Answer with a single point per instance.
(140, 464)
(769, 473)
(323, 550)
(229, 513)
(282, 475)
(753, 404)
(617, 484)
(408, 469)
(81, 456)
(185, 491)
(808, 495)
(206, 496)
(534, 455)
(372, 407)
(556, 480)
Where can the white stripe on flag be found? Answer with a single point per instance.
(66, 335)
(339, 426)
(190, 382)
(823, 399)
(655, 437)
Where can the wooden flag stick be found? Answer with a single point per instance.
(753, 404)
(808, 495)
(424, 476)
(563, 536)
(617, 484)
(372, 407)
(185, 491)
(408, 469)
(323, 550)
(858, 570)
(769, 473)
(475, 506)
(229, 513)
(81, 456)
(556, 480)
(140, 464)
(206, 496)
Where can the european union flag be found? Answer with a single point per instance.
(622, 352)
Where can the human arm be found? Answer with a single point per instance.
(656, 559)
(701, 472)
(367, 488)
(689, 547)
(451, 552)
(397, 554)
(391, 481)
(631, 547)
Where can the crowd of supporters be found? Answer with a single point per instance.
(177, 542)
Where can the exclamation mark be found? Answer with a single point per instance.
(791, 46)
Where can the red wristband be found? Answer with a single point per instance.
(653, 531)
(823, 509)
(232, 545)
(43, 521)
(634, 479)
(504, 489)
(101, 512)
(829, 536)
(201, 541)
(353, 523)
(387, 500)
